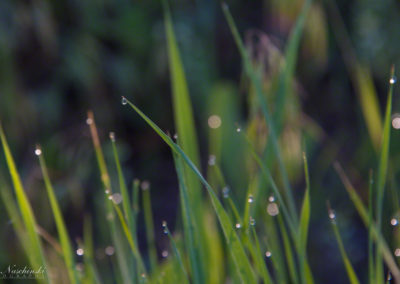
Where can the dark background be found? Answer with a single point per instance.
(58, 59)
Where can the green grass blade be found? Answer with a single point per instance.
(176, 251)
(256, 81)
(349, 268)
(304, 222)
(259, 259)
(149, 224)
(382, 172)
(92, 275)
(371, 271)
(188, 221)
(235, 246)
(363, 212)
(59, 220)
(25, 208)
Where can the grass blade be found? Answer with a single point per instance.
(26, 211)
(235, 246)
(258, 258)
(371, 271)
(349, 268)
(59, 220)
(92, 274)
(382, 172)
(363, 212)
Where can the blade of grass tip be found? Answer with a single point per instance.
(287, 73)
(59, 220)
(363, 212)
(122, 184)
(259, 259)
(105, 178)
(149, 224)
(190, 239)
(124, 192)
(349, 268)
(176, 251)
(235, 246)
(26, 210)
(371, 271)
(304, 222)
(382, 170)
(92, 274)
(255, 79)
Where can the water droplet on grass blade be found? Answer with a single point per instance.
(397, 252)
(268, 254)
(211, 160)
(250, 199)
(271, 198)
(89, 121)
(80, 251)
(332, 215)
(109, 250)
(124, 101)
(107, 191)
(238, 226)
(112, 136)
(38, 152)
(238, 129)
(145, 185)
(273, 209)
(225, 191)
(164, 253)
(214, 121)
(394, 222)
(252, 221)
(393, 80)
(117, 198)
(396, 121)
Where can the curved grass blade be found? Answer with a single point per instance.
(382, 172)
(259, 260)
(149, 224)
(59, 220)
(256, 81)
(363, 212)
(26, 211)
(349, 268)
(371, 271)
(235, 246)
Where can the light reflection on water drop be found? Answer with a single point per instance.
(394, 222)
(273, 209)
(393, 80)
(238, 226)
(124, 101)
(250, 199)
(268, 254)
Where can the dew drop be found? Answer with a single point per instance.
(107, 191)
(271, 198)
(124, 101)
(268, 254)
(211, 160)
(109, 250)
(38, 152)
(393, 80)
(238, 129)
(117, 198)
(394, 222)
(273, 209)
(164, 224)
(80, 251)
(143, 275)
(214, 121)
(250, 199)
(397, 252)
(110, 197)
(332, 215)
(89, 121)
(145, 185)
(389, 277)
(112, 136)
(225, 191)
(164, 253)
(252, 221)
(176, 136)
(396, 121)
(238, 226)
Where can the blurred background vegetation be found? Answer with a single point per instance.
(58, 59)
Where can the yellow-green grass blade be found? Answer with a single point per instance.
(188, 224)
(349, 268)
(382, 171)
(91, 275)
(59, 220)
(12, 211)
(176, 252)
(304, 222)
(259, 259)
(287, 73)
(105, 178)
(28, 218)
(236, 249)
(256, 81)
(376, 233)
(149, 224)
